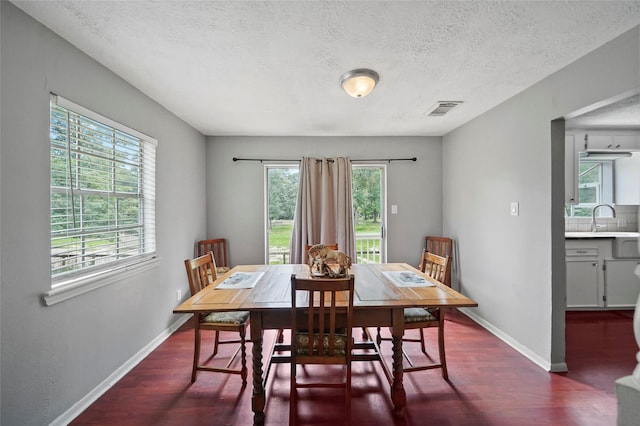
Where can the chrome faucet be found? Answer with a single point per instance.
(594, 228)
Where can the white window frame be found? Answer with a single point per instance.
(268, 167)
(383, 208)
(119, 256)
(604, 189)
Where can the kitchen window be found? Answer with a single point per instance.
(595, 186)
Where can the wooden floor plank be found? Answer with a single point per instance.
(490, 384)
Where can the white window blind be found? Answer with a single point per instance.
(102, 193)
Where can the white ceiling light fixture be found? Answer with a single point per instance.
(359, 83)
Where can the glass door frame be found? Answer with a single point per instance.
(383, 209)
(267, 167)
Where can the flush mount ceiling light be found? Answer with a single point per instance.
(359, 83)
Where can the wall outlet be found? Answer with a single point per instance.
(622, 222)
(178, 294)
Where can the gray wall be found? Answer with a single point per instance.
(514, 266)
(53, 356)
(235, 190)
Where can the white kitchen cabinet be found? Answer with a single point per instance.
(629, 141)
(599, 141)
(585, 280)
(606, 139)
(609, 139)
(621, 284)
(596, 279)
(583, 284)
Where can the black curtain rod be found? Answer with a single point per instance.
(387, 160)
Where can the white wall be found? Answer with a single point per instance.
(54, 356)
(514, 266)
(235, 190)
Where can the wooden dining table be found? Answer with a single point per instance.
(379, 301)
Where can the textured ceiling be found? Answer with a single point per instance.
(273, 67)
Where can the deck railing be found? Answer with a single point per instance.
(367, 250)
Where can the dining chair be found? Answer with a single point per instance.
(307, 247)
(420, 318)
(219, 248)
(442, 246)
(365, 334)
(321, 323)
(201, 272)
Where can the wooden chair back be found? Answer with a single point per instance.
(201, 271)
(321, 332)
(442, 246)
(219, 248)
(433, 265)
(327, 317)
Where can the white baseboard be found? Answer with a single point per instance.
(77, 408)
(535, 358)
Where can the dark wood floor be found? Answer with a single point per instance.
(490, 384)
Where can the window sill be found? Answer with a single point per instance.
(83, 285)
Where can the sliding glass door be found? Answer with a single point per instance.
(369, 202)
(369, 205)
(280, 204)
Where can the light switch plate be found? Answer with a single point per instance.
(515, 208)
(394, 209)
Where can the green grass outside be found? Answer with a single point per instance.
(71, 241)
(280, 234)
(368, 228)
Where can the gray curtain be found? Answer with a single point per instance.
(324, 209)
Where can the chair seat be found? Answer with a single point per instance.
(419, 315)
(220, 270)
(339, 345)
(230, 317)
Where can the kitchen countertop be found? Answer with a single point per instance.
(602, 234)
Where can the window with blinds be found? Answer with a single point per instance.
(102, 193)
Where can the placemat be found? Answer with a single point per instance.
(240, 280)
(407, 279)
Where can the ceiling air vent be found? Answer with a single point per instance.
(442, 107)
